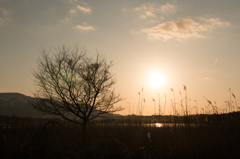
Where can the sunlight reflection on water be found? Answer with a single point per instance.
(158, 125)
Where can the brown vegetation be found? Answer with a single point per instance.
(55, 139)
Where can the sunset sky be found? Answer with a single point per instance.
(192, 43)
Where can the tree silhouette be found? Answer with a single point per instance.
(74, 87)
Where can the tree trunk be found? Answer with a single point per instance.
(84, 126)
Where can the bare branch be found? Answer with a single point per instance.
(73, 86)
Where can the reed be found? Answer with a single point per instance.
(196, 107)
(237, 108)
(141, 109)
(230, 100)
(165, 102)
(116, 141)
(189, 108)
(214, 108)
(174, 104)
(159, 106)
(138, 107)
(154, 106)
(182, 108)
(186, 99)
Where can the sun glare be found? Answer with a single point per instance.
(156, 79)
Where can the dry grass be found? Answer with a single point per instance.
(115, 141)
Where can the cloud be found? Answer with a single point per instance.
(150, 10)
(75, 9)
(215, 22)
(84, 9)
(146, 10)
(65, 20)
(84, 27)
(72, 11)
(183, 28)
(4, 16)
(168, 8)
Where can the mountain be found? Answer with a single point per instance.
(16, 104)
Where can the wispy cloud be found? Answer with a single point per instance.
(85, 27)
(75, 9)
(84, 9)
(183, 28)
(4, 16)
(149, 10)
(215, 21)
(72, 11)
(146, 10)
(65, 20)
(168, 8)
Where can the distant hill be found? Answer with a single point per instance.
(16, 104)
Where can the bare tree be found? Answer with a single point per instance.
(74, 87)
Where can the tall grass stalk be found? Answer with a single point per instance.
(154, 106)
(202, 110)
(174, 105)
(227, 105)
(189, 106)
(143, 105)
(165, 103)
(138, 103)
(141, 109)
(181, 110)
(159, 107)
(214, 108)
(235, 102)
(196, 106)
(230, 99)
(185, 89)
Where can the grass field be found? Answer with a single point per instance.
(55, 140)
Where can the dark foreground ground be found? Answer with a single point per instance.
(54, 140)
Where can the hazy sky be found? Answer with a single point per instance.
(195, 43)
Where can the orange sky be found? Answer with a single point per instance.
(192, 43)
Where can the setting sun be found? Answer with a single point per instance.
(156, 79)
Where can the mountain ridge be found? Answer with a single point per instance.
(17, 104)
